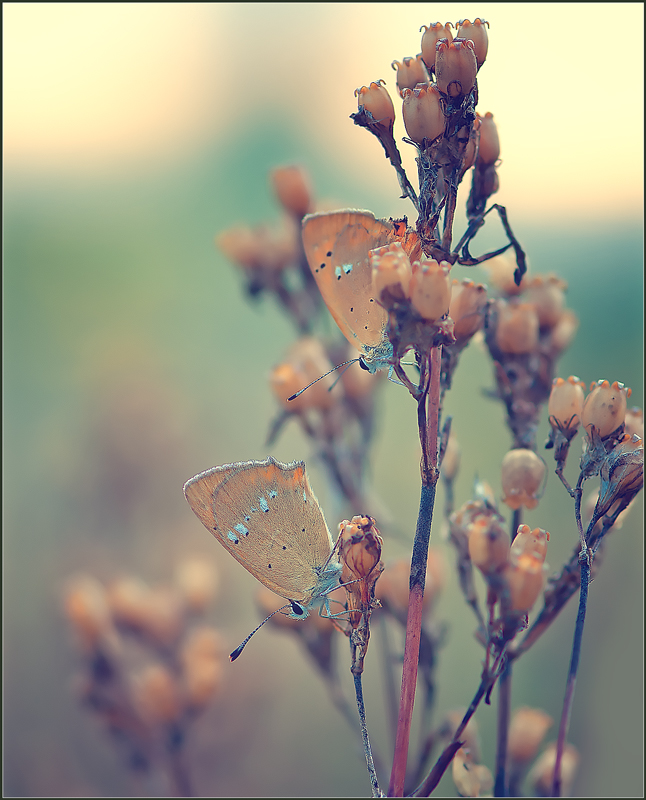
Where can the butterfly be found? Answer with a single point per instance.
(337, 245)
(266, 515)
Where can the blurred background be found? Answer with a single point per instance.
(133, 134)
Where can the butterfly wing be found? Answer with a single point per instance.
(337, 246)
(266, 515)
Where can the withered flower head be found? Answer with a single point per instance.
(605, 407)
(157, 695)
(525, 577)
(360, 554)
(566, 403)
(517, 328)
(621, 473)
(197, 582)
(393, 586)
(87, 608)
(376, 100)
(455, 67)
(471, 779)
(634, 422)
(529, 541)
(430, 288)
(291, 185)
(391, 271)
(410, 72)
(527, 730)
(468, 301)
(501, 273)
(542, 773)
(488, 545)
(432, 34)
(563, 333)
(522, 475)
(305, 362)
(422, 112)
(477, 33)
(489, 148)
(547, 294)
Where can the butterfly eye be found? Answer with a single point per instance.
(297, 608)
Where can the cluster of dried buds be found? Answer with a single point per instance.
(514, 572)
(527, 328)
(147, 709)
(613, 442)
(271, 258)
(439, 93)
(336, 412)
(425, 306)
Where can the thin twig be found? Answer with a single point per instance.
(572, 672)
(374, 781)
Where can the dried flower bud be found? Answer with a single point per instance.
(542, 773)
(471, 150)
(430, 288)
(470, 735)
(471, 779)
(422, 112)
(525, 577)
(477, 33)
(376, 100)
(634, 422)
(547, 294)
(529, 541)
(87, 608)
(259, 248)
(468, 301)
(292, 188)
(305, 362)
(360, 546)
(410, 72)
(202, 656)
(451, 460)
(197, 582)
(522, 476)
(605, 407)
(455, 67)
(393, 586)
(129, 600)
(501, 273)
(163, 619)
(517, 328)
(156, 695)
(488, 545)
(563, 333)
(566, 403)
(391, 270)
(489, 147)
(621, 474)
(432, 34)
(527, 730)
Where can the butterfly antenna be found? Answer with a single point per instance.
(240, 647)
(338, 366)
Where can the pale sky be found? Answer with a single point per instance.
(91, 85)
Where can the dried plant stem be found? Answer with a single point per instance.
(374, 781)
(504, 708)
(428, 419)
(504, 701)
(572, 672)
(177, 764)
(439, 768)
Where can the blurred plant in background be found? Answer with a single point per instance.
(131, 361)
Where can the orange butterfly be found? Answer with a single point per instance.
(337, 245)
